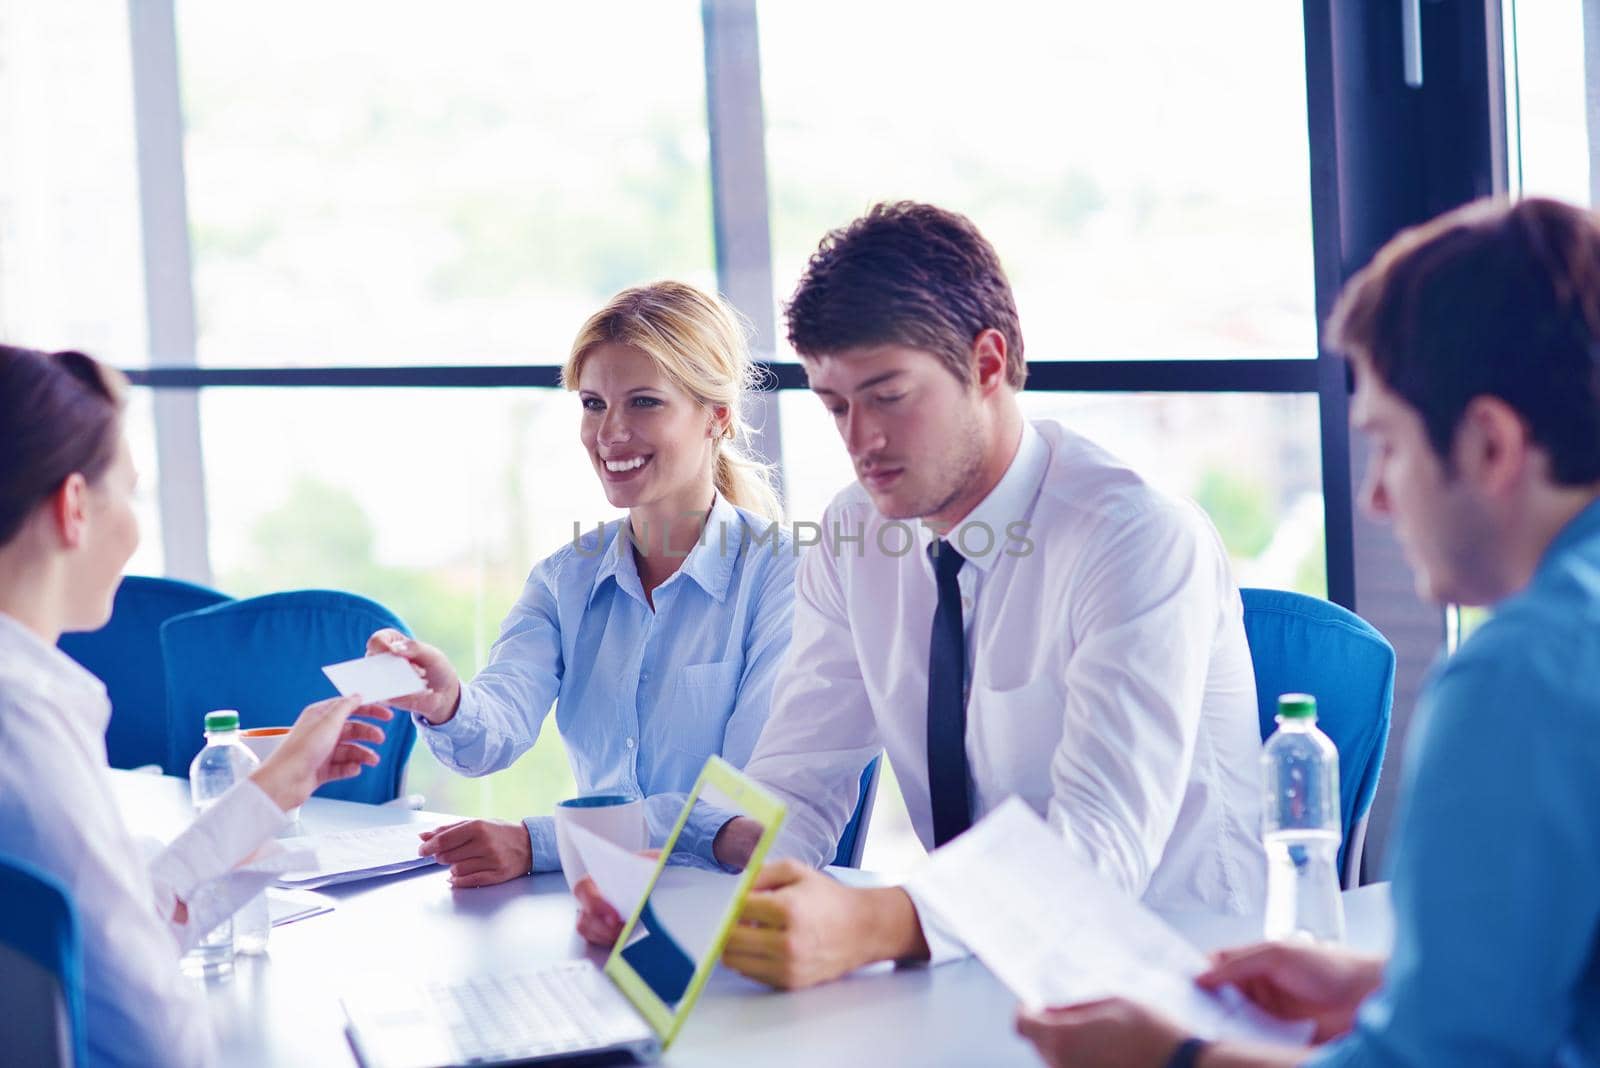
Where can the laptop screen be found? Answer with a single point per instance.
(675, 937)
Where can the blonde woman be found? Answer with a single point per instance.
(656, 636)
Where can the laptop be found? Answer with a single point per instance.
(635, 1006)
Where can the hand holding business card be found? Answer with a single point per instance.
(437, 703)
(378, 678)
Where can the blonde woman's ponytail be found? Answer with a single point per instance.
(745, 481)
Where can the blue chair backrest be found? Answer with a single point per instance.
(854, 839)
(264, 657)
(1303, 644)
(43, 1018)
(125, 654)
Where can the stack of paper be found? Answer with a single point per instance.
(346, 856)
(1057, 932)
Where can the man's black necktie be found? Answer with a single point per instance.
(947, 702)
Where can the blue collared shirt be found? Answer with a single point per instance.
(1497, 882)
(642, 695)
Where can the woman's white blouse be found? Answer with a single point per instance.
(58, 813)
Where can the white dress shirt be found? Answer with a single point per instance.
(1109, 683)
(57, 812)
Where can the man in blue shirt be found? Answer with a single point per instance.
(1476, 345)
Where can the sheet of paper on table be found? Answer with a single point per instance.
(376, 678)
(346, 856)
(288, 906)
(1056, 932)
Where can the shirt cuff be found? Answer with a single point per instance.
(700, 831)
(943, 945)
(209, 905)
(457, 732)
(542, 839)
(220, 837)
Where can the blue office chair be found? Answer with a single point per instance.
(41, 970)
(854, 839)
(1303, 644)
(125, 654)
(263, 656)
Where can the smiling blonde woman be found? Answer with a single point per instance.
(656, 636)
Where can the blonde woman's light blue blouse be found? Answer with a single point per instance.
(642, 695)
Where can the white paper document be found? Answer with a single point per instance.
(1056, 932)
(288, 906)
(376, 678)
(279, 855)
(346, 856)
(620, 876)
(689, 903)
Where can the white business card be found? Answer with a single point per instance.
(376, 678)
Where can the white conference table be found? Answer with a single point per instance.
(283, 1009)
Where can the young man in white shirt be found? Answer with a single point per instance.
(1001, 606)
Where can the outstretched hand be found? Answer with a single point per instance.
(438, 702)
(325, 744)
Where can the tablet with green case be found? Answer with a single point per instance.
(674, 938)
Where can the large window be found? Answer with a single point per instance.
(417, 184)
(1549, 98)
(70, 273)
(395, 194)
(1142, 171)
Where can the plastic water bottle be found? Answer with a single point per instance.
(1301, 826)
(223, 762)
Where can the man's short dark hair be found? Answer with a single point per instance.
(906, 274)
(1492, 299)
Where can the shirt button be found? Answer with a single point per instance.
(630, 743)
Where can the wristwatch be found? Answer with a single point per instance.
(1187, 1055)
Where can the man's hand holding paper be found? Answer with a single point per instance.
(1055, 932)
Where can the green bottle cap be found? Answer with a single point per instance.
(225, 720)
(1297, 705)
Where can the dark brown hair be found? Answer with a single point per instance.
(60, 413)
(906, 274)
(1492, 299)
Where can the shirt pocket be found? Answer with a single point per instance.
(1012, 736)
(697, 715)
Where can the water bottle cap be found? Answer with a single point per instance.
(1297, 705)
(225, 720)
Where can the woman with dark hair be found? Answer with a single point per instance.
(66, 529)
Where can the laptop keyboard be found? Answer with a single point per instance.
(568, 1007)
